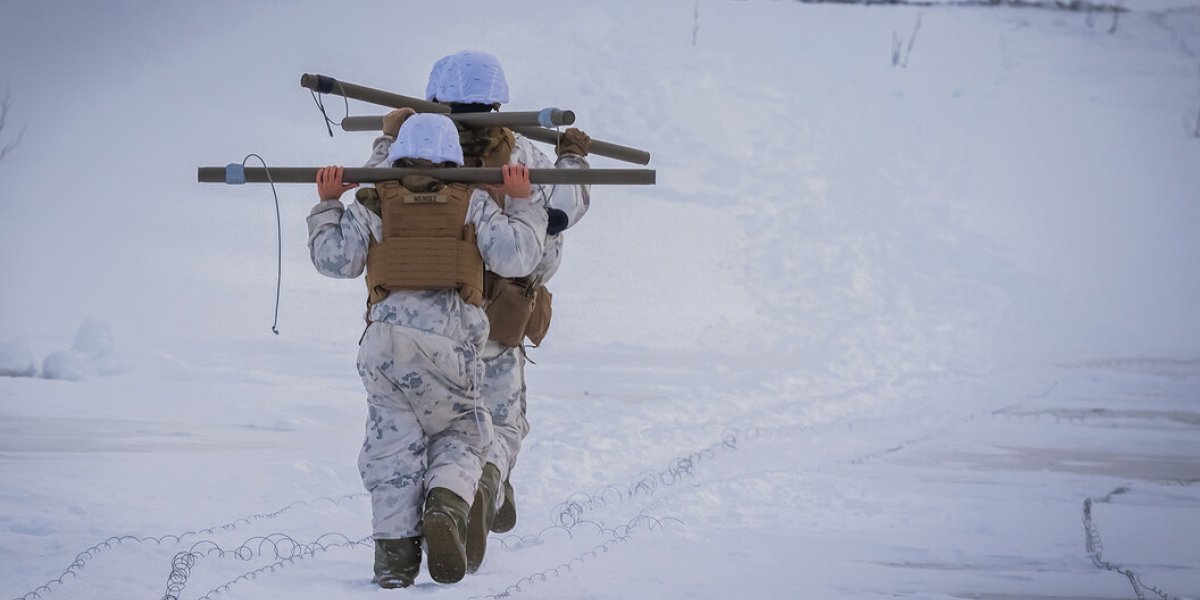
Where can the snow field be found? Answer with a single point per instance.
(857, 343)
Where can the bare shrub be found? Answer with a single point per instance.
(5, 106)
(900, 51)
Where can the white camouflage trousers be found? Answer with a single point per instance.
(503, 391)
(425, 425)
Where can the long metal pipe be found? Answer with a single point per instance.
(515, 121)
(236, 174)
(598, 147)
(328, 85)
(323, 84)
(549, 117)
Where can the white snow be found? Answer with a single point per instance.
(877, 332)
(65, 364)
(92, 354)
(16, 359)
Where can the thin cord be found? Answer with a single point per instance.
(321, 106)
(278, 239)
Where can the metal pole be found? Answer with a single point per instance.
(327, 85)
(598, 147)
(236, 174)
(323, 84)
(549, 117)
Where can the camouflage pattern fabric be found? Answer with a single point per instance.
(425, 425)
(503, 384)
(503, 391)
(419, 359)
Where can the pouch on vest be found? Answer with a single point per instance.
(539, 319)
(509, 305)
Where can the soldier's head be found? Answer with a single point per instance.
(427, 139)
(469, 81)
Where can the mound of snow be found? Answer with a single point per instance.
(94, 341)
(92, 354)
(16, 360)
(65, 364)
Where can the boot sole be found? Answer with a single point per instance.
(447, 556)
(476, 533)
(391, 583)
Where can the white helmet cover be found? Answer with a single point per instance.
(435, 77)
(429, 136)
(468, 77)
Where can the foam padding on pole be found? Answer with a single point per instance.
(235, 174)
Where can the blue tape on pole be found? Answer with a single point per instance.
(546, 117)
(235, 174)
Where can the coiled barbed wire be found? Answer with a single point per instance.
(516, 542)
(857, 460)
(648, 483)
(90, 553)
(1095, 548)
(286, 550)
(568, 515)
(279, 564)
(617, 535)
(904, 445)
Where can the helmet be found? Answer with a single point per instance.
(429, 136)
(435, 77)
(468, 77)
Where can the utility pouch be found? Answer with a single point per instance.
(509, 305)
(539, 319)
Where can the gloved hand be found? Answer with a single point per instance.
(573, 141)
(393, 120)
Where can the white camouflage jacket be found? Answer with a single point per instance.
(511, 241)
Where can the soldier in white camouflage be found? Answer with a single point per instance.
(474, 82)
(427, 432)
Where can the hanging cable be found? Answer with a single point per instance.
(278, 240)
(321, 107)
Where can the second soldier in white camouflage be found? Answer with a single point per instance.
(519, 308)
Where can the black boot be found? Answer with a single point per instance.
(506, 517)
(445, 525)
(397, 562)
(483, 511)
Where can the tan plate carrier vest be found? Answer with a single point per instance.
(516, 308)
(426, 244)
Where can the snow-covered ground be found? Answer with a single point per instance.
(877, 332)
